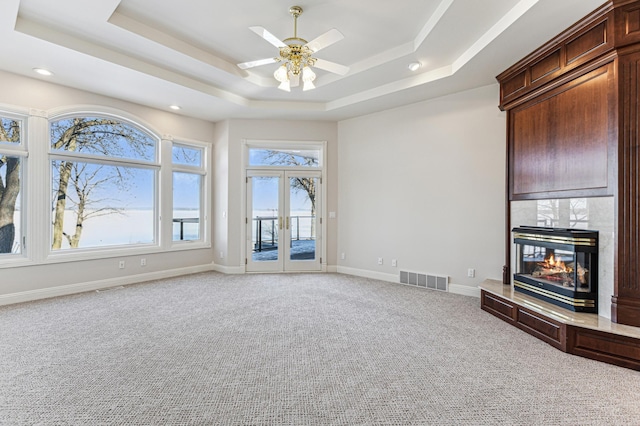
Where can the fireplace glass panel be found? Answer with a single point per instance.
(558, 265)
(562, 268)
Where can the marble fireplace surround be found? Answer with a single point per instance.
(595, 213)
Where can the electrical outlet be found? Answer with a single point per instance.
(471, 272)
(380, 261)
(394, 263)
(121, 264)
(143, 262)
(221, 255)
(343, 256)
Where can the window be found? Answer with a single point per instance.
(104, 173)
(293, 157)
(91, 185)
(188, 177)
(11, 186)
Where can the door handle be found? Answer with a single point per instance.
(280, 222)
(287, 222)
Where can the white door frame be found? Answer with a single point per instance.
(281, 144)
(283, 223)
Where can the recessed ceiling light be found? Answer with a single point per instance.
(175, 107)
(43, 71)
(413, 66)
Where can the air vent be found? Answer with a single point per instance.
(417, 279)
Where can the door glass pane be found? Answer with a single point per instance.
(302, 216)
(265, 214)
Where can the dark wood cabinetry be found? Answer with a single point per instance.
(573, 113)
(581, 334)
(534, 323)
(551, 153)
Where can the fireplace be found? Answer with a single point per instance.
(558, 265)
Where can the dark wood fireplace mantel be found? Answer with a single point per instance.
(573, 114)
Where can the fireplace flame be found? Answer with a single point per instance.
(554, 265)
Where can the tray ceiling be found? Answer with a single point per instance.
(159, 53)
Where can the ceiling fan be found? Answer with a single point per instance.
(296, 55)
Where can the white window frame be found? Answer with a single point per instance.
(105, 251)
(202, 170)
(18, 150)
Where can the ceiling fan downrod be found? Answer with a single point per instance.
(295, 11)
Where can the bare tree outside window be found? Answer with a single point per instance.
(93, 189)
(9, 185)
(289, 159)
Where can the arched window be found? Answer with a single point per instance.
(104, 172)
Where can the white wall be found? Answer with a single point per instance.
(229, 147)
(221, 196)
(34, 281)
(424, 184)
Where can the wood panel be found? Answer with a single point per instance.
(627, 18)
(546, 66)
(613, 349)
(626, 299)
(514, 84)
(544, 328)
(587, 40)
(552, 153)
(498, 306)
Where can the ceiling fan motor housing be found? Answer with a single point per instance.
(297, 56)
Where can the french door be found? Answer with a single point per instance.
(283, 221)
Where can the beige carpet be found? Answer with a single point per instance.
(303, 349)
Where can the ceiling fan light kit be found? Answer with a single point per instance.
(296, 56)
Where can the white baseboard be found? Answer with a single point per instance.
(368, 274)
(464, 290)
(31, 295)
(234, 270)
(241, 269)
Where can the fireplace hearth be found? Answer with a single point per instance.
(558, 265)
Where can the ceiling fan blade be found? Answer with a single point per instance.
(331, 66)
(251, 64)
(325, 40)
(268, 36)
(294, 80)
